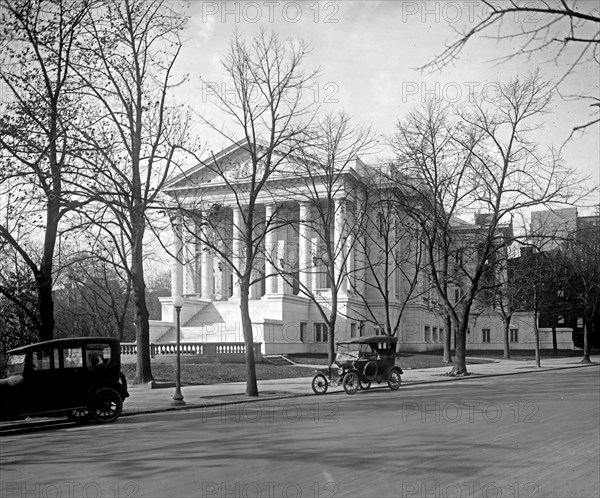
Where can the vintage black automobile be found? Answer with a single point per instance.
(79, 378)
(359, 362)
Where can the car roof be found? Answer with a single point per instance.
(371, 339)
(67, 341)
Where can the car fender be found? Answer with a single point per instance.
(117, 386)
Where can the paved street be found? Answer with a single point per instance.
(522, 435)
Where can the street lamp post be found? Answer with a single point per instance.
(178, 397)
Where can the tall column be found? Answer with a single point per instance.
(190, 260)
(350, 252)
(206, 263)
(340, 243)
(360, 262)
(270, 253)
(177, 266)
(305, 257)
(283, 284)
(237, 248)
(314, 248)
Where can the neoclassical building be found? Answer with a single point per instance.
(305, 229)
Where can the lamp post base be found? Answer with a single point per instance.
(177, 399)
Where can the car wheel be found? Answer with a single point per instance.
(319, 384)
(351, 383)
(370, 370)
(394, 379)
(106, 405)
(364, 385)
(79, 415)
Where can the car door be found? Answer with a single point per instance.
(42, 384)
(74, 375)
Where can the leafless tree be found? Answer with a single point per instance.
(332, 201)
(39, 176)
(493, 170)
(134, 131)
(563, 29)
(391, 257)
(267, 114)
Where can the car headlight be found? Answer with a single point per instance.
(341, 370)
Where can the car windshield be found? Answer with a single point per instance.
(16, 364)
(349, 352)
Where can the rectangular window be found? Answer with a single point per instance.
(302, 331)
(457, 295)
(97, 355)
(486, 335)
(514, 335)
(427, 333)
(435, 335)
(377, 331)
(353, 330)
(381, 226)
(397, 278)
(41, 360)
(72, 357)
(321, 332)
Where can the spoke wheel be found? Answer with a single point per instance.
(106, 405)
(351, 383)
(319, 384)
(79, 415)
(364, 385)
(394, 380)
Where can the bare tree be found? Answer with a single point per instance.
(391, 257)
(134, 132)
(559, 28)
(269, 112)
(493, 171)
(332, 213)
(581, 260)
(39, 177)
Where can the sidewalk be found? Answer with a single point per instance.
(143, 399)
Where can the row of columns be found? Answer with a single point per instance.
(185, 268)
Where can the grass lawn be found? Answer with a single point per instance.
(215, 373)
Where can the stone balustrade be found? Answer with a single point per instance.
(217, 350)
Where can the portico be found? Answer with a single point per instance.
(290, 261)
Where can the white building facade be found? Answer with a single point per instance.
(292, 272)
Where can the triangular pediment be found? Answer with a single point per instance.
(232, 164)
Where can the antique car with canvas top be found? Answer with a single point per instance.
(79, 378)
(360, 361)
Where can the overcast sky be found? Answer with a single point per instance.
(368, 52)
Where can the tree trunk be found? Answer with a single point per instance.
(331, 342)
(586, 343)
(447, 339)
(506, 335)
(45, 307)
(142, 327)
(44, 277)
(536, 332)
(460, 363)
(251, 385)
(554, 343)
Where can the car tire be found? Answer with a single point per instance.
(370, 370)
(79, 415)
(106, 405)
(394, 379)
(351, 383)
(319, 384)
